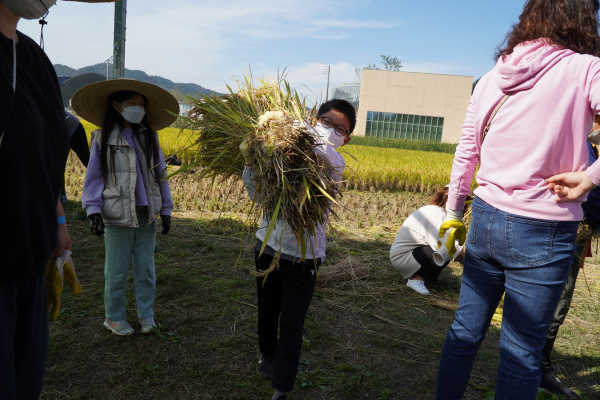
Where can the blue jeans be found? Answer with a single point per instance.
(527, 258)
(123, 243)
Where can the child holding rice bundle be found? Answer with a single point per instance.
(412, 251)
(124, 188)
(286, 292)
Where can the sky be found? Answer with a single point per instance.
(208, 42)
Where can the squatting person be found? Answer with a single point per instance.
(287, 292)
(526, 126)
(124, 188)
(412, 251)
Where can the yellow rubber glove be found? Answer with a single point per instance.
(459, 232)
(450, 243)
(54, 283)
(245, 150)
(264, 119)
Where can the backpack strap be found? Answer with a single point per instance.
(487, 126)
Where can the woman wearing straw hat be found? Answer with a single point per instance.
(124, 191)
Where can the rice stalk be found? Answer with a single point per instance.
(292, 174)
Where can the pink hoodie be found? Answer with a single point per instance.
(539, 132)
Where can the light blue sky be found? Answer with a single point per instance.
(206, 42)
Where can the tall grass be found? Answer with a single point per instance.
(379, 167)
(419, 145)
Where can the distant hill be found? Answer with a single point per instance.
(185, 88)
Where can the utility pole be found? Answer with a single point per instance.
(327, 93)
(119, 43)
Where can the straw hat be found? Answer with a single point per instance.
(91, 101)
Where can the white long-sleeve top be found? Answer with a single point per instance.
(421, 228)
(282, 238)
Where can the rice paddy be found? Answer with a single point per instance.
(368, 166)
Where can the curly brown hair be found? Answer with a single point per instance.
(440, 198)
(572, 24)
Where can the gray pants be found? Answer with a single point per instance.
(122, 243)
(563, 307)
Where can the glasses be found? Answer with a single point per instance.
(339, 130)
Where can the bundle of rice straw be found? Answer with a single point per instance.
(348, 270)
(293, 179)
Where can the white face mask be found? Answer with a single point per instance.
(133, 114)
(594, 138)
(29, 9)
(330, 135)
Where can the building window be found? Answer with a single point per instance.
(404, 126)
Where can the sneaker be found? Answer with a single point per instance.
(148, 324)
(418, 286)
(551, 384)
(121, 328)
(265, 366)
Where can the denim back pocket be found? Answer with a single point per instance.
(529, 241)
(475, 216)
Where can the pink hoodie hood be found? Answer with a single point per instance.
(539, 132)
(527, 64)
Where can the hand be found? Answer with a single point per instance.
(245, 150)
(459, 232)
(264, 119)
(570, 186)
(54, 284)
(166, 224)
(451, 243)
(96, 224)
(63, 243)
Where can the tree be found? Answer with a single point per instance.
(475, 84)
(357, 71)
(389, 64)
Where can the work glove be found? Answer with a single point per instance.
(264, 119)
(459, 231)
(166, 224)
(56, 270)
(96, 224)
(245, 150)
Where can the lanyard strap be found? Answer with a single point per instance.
(487, 126)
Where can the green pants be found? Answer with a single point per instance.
(122, 243)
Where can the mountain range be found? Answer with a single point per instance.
(167, 84)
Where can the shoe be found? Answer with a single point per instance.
(551, 384)
(121, 328)
(148, 324)
(265, 366)
(282, 397)
(418, 286)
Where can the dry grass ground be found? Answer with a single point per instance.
(372, 340)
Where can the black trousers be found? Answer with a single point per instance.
(23, 339)
(286, 292)
(79, 145)
(429, 269)
(562, 309)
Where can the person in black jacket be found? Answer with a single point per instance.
(591, 208)
(34, 144)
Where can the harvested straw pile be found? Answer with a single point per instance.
(347, 271)
(292, 173)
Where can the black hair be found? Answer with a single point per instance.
(148, 140)
(341, 106)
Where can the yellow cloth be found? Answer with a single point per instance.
(56, 269)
